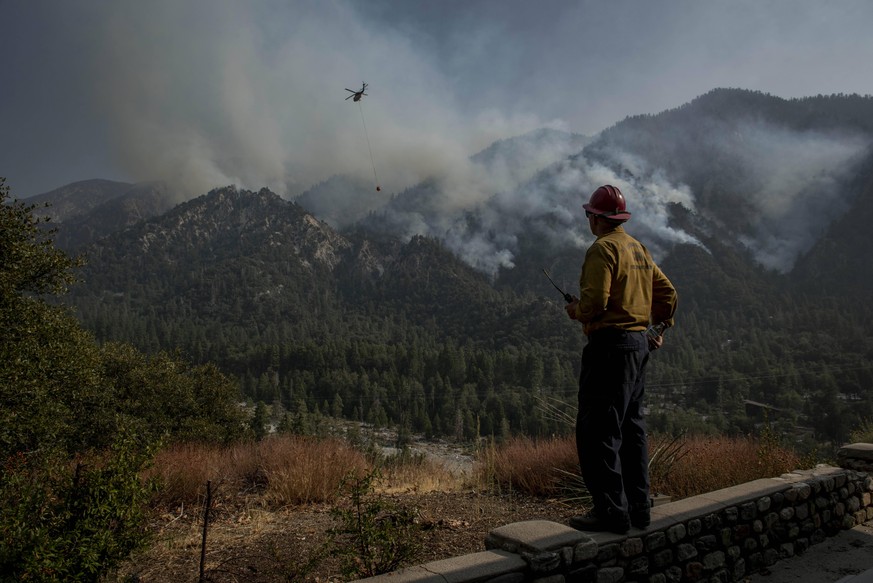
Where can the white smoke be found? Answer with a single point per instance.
(486, 233)
(210, 92)
(797, 181)
(802, 178)
(205, 93)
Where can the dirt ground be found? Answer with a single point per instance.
(256, 545)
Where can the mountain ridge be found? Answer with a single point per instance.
(261, 283)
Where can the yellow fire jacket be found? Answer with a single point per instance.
(621, 287)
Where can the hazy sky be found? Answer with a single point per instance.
(203, 93)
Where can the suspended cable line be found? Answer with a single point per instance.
(366, 135)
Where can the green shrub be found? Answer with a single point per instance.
(164, 397)
(72, 521)
(863, 433)
(375, 536)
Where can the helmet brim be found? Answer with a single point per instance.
(606, 215)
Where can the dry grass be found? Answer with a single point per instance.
(302, 470)
(681, 467)
(273, 505)
(293, 470)
(418, 474)
(282, 470)
(713, 462)
(275, 499)
(534, 467)
(863, 433)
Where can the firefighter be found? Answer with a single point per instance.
(622, 294)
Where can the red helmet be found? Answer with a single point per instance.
(608, 202)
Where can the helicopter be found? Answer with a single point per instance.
(356, 94)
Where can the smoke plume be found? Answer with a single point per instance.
(204, 93)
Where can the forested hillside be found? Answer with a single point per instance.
(305, 317)
(370, 324)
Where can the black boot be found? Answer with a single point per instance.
(592, 522)
(640, 515)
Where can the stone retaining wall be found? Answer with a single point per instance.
(716, 537)
(858, 456)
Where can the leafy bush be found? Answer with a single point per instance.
(48, 364)
(375, 536)
(164, 397)
(72, 521)
(69, 514)
(60, 389)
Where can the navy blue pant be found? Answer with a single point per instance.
(610, 430)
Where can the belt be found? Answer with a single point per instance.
(607, 334)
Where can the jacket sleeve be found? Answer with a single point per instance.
(664, 298)
(594, 284)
